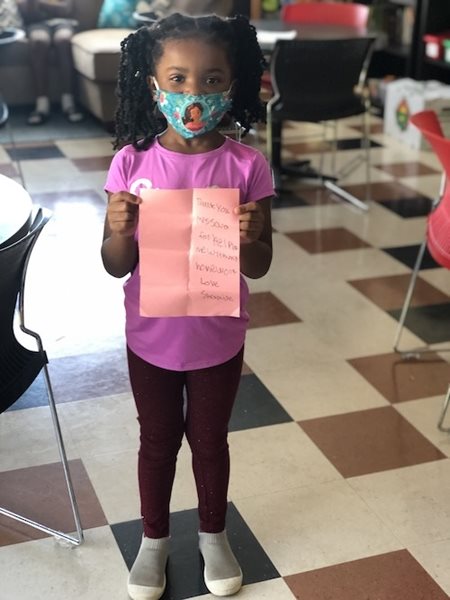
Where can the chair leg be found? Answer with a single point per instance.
(333, 187)
(355, 162)
(366, 142)
(62, 452)
(407, 302)
(444, 412)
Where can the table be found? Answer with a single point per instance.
(269, 30)
(15, 211)
(8, 35)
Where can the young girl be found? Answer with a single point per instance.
(175, 63)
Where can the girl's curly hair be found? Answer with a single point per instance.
(138, 120)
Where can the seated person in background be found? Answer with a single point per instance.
(163, 8)
(49, 23)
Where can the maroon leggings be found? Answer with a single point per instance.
(158, 394)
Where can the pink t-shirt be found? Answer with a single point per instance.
(187, 343)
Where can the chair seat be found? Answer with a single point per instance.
(19, 368)
(315, 112)
(438, 234)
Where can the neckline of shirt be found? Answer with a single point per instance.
(184, 156)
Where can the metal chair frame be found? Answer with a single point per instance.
(40, 221)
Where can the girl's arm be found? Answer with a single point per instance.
(256, 237)
(119, 248)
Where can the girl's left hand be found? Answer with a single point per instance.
(251, 221)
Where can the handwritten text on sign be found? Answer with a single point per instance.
(189, 253)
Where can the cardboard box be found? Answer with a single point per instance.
(405, 97)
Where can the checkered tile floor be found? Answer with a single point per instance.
(340, 480)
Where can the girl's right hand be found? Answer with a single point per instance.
(122, 213)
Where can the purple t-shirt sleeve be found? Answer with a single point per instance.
(116, 180)
(260, 182)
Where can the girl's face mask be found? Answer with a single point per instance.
(192, 115)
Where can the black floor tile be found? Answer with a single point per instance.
(80, 377)
(185, 567)
(255, 406)
(408, 254)
(35, 152)
(431, 323)
(355, 144)
(288, 199)
(409, 207)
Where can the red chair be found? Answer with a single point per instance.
(326, 13)
(437, 238)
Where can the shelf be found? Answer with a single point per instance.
(436, 63)
(403, 2)
(401, 51)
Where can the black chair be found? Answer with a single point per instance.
(319, 81)
(20, 366)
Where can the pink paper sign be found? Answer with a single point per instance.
(189, 253)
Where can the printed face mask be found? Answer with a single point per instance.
(192, 115)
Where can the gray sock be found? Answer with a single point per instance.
(223, 575)
(147, 579)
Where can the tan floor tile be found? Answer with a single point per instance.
(115, 480)
(434, 559)
(412, 502)
(369, 441)
(326, 524)
(428, 185)
(285, 254)
(264, 590)
(4, 156)
(51, 175)
(440, 278)
(275, 458)
(46, 569)
(387, 576)
(315, 389)
(357, 264)
(8, 170)
(283, 346)
(88, 147)
(424, 415)
(27, 439)
(342, 319)
(102, 425)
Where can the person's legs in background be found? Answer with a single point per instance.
(62, 41)
(211, 393)
(39, 42)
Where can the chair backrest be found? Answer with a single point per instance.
(326, 13)
(13, 265)
(18, 365)
(438, 230)
(315, 80)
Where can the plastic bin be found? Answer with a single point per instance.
(446, 44)
(434, 47)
